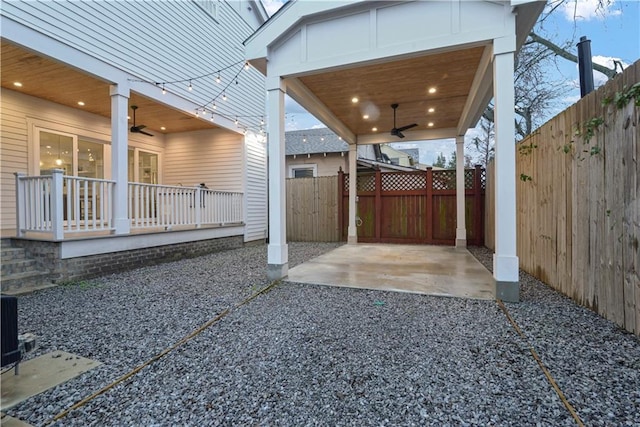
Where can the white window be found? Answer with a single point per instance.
(303, 171)
(147, 170)
(75, 155)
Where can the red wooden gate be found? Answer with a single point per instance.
(414, 207)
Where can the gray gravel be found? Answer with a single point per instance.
(315, 355)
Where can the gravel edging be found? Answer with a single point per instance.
(317, 355)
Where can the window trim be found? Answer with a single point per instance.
(304, 166)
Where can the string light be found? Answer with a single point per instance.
(224, 96)
(164, 91)
(218, 79)
(190, 86)
(215, 107)
(246, 65)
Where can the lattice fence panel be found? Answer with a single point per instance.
(403, 181)
(366, 183)
(346, 183)
(444, 180)
(468, 178)
(483, 178)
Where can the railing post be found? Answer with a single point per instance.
(20, 204)
(198, 205)
(57, 213)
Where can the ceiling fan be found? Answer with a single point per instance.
(397, 131)
(137, 129)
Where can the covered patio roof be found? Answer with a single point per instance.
(441, 62)
(432, 58)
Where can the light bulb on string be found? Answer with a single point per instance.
(164, 91)
(190, 86)
(236, 121)
(197, 113)
(224, 96)
(246, 65)
(215, 107)
(218, 79)
(262, 120)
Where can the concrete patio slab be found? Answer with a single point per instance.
(430, 270)
(40, 374)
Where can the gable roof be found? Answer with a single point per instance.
(312, 141)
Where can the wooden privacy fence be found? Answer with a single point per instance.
(578, 201)
(414, 207)
(312, 209)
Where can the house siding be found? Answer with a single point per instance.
(256, 189)
(327, 166)
(156, 42)
(213, 157)
(19, 112)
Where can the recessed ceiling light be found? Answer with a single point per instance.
(48, 146)
(366, 117)
(431, 110)
(163, 128)
(355, 99)
(374, 129)
(432, 90)
(80, 103)
(430, 124)
(17, 84)
(128, 117)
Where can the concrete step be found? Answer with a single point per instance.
(22, 283)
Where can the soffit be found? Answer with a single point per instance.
(405, 82)
(56, 82)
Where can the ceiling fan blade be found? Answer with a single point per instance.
(140, 127)
(412, 125)
(399, 134)
(145, 133)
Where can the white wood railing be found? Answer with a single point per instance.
(57, 205)
(152, 206)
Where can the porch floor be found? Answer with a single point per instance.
(430, 270)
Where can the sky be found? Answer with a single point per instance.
(614, 32)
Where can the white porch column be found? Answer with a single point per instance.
(277, 251)
(352, 237)
(505, 259)
(461, 229)
(119, 149)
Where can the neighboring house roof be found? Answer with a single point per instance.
(414, 153)
(384, 167)
(312, 141)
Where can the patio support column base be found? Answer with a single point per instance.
(277, 271)
(508, 291)
(352, 240)
(461, 243)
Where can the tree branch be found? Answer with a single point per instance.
(569, 56)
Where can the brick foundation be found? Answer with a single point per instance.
(47, 255)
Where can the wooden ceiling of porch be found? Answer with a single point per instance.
(55, 82)
(405, 82)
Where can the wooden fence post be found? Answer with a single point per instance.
(378, 203)
(341, 204)
(429, 204)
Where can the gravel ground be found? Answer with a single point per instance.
(314, 355)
